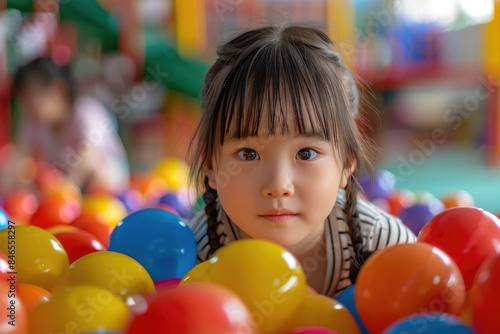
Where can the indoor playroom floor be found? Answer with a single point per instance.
(449, 169)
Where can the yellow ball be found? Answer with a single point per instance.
(196, 274)
(80, 309)
(267, 278)
(109, 209)
(115, 272)
(39, 257)
(321, 311)
(174, 171)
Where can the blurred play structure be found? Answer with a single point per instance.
(429, 70)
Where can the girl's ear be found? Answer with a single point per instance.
(210, 173)
(347, 172)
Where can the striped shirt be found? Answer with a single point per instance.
(378, 229)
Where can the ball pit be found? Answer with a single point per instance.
(149, 270)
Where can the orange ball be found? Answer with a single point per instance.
(458, 198)
(407, 279)
(149, 186)
(31, 295)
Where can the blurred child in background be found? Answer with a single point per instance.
(72, 133)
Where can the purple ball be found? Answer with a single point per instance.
(417, 215)
(131, 199)
(175, 201)
(381, 185)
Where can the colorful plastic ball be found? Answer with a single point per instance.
(131, 199)
(113, 271)
(380, 186)
(399, 200)
(322, 311)
(32, 295)
(79, 243)
(267, 278)
(468, 235)
(313, 330)
(484, 296)
(407, 279)
(79, 309)
(149, 186)
(20, 205)
(432, 323)
(60, 228)
(4, 219)
(458, 198)
(167, 284)
(174, 171)
(109, 208)
(161, 241)
(14, 319)
(195, 308)
(54, 211)
(346, 298)
(39, 256)
(423, 197)
(95, 224)
(417, 215)
(175, 201)
(168, 208)
(64, 189)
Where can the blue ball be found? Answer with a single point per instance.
(429, 323)
(159, 240)
(4, 219)
(346, 298)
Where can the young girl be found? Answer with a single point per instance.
(73, 133)
(278, 151)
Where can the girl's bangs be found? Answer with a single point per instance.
(279, 83)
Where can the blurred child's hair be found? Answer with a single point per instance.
(260, 76)
(46, 71)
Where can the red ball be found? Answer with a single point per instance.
(20, 205)
(468, 235)
(79, 243)
(193, 308)
(484, 296)
(92, 223)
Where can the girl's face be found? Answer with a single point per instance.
(281, 187)
(45, 104)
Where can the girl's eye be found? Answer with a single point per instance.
(306, 154)
(248, 154)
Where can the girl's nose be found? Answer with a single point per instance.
(278, 183)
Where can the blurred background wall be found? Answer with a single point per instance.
(429, 71)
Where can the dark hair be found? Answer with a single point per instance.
(261, 75)
(45, 70)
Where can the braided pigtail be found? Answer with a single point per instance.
(210, 199)
(352, 218)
